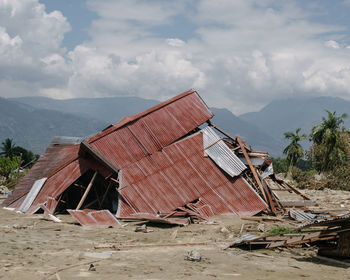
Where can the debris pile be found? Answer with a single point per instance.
(331, 235)
(169, 164)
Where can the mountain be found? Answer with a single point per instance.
(254, 135)
(34, 128)
(281, 116)
(111, 110)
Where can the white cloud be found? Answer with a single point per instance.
(31, 56)
(241, 54)
(174, 42)
(332, 44)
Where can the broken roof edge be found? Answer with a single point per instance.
(128, 119)
(66, 140)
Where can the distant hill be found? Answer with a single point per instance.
(33, 121)
(254, 135)
(111, 110)
(34, 128)
(287, 115)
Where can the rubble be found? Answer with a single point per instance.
(171, 165)
(165, 165)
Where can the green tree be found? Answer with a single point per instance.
(8, 165)
(27, 156)
(294, 150)
(330, 147)
(7, 148)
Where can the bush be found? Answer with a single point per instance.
(304, 179)
(280, 165)
(339, 178)
(8, 165)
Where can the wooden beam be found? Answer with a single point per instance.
(252, 169)
(269, 197)
(106, 192)
(86, 191)
(296, 191)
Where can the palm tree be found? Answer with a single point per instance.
(294, 150)
(330, 142)
(7, 148)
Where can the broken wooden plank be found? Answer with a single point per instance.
(297, 203)
(120, 246)
(86, 191)
(256, 177)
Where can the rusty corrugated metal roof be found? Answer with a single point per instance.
(180, 174)
(92, 218)
(55, 157)
(157, 176)
(152, 130)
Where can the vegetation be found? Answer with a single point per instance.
(12, 157)
(7, 148)
(294, 150)
(329, 155)
(279, 230)
(8, 165)
(330, 148)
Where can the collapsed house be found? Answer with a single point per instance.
(166, 161)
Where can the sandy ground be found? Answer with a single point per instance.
(37, 248)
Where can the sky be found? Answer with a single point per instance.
(238, 54)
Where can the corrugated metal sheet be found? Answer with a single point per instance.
(66, 140)
(182, 176)
(55, 157)
(301, 216)
(143, 134)
(102, 218)
(57, 183)
(218, 151)
(60, 181)
(32, 194)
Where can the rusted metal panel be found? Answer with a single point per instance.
(241, 197)
(51, 205)
(142, 135)
(120, 148)
(57, 183)
(183, 176)
(217, 204)
(102, 218)
(55, 157)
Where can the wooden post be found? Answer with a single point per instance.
(86, 191)
(256, 177)
(105, 194)
(269, 197)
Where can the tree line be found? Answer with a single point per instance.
(329, 152)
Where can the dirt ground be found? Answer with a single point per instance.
(37, 248)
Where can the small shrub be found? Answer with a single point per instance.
(279, 230)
